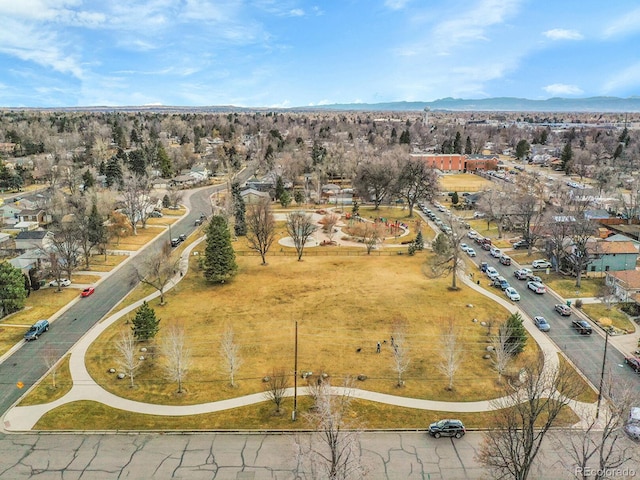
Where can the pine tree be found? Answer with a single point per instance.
(565, 158)
(279, 187)
(240, 210)
(12, 292)
(97, 230)
(164, 163)
(517, 333)
(113, 171)
(419, 241)
(454, 198)
(220, 259)
(468, 148)
(145, 323)
(457, 144)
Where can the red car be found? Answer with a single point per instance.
(87, 291)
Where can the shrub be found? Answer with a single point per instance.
(578, 303)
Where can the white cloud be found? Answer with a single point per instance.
(296, 12)
(563, 34)
(396, 4)
(557, 89)
(627, 24)
(629, 77)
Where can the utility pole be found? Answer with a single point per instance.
(604, 359)
(295, 377)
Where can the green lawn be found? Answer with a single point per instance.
(566, 286)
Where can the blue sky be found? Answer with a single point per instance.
(286, 53)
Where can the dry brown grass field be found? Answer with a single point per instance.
(463, 182)
(343, 305)
(363, 414)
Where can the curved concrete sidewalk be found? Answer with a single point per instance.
(84, 388)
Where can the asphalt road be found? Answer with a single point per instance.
(384, 455)
(585, 351)
(26, 365)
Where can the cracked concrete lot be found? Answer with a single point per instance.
(193, 456)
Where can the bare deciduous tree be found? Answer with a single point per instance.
(300, 227)
(129, 359)
(261, 228)
(137, 200)
(503, 349)
(177, 355)
(332, 451)
(524, 415)
(598, 446)
(371, 233)
(416, 180)
(451, 352)
(50, 357)
(329, 222)
(400, 351)
(158, 270)
(276, 387)
(230, 352)
(375, 178)
(447, 258)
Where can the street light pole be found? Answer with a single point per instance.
(604, 359)
(295, 377)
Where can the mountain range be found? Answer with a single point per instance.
(500, 104)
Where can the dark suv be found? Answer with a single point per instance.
(447, 428)
(521, 244)
(36, 330)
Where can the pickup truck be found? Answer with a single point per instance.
(582, 326)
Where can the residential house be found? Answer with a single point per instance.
(33, 215)
(6, 243)
(611, 256)
(200, 173)
(25, 226)
(252, 196)
(34, 239)
(9, 214)
(183, 180)
(618, 237)
(626, 284)
(30, 259)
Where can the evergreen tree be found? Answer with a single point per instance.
(113, 171)
(163, 161)
(517, 333)
(220, 259)
(137, 163)
(285, 199)
(279, 187)
(405, 137)
(565, 158)
(522, 149)
(240, 210)
(12, 292)
(468, 148)
(457, 144)
(88, 180)
(96, 228)
(145, 323)
(298, 196)
(166, 201)
(454, 198)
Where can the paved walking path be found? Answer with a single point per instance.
(23, 418)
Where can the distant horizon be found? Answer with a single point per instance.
(508, 104)
(301, 54)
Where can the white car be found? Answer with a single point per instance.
(537, 287)
(471, 252)
(495, 252)
(464, 247)
(512, 294)
(472, 234)
(540, 264)
(492, 273)
(64, 282)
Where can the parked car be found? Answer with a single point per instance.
(447, 428)
(521, 244)
(534, 278)
(540, 264)
(175, 242)
(582, 326)
(522, 274)
(492, 273)
(501, 282)
(495, 252)
(564, 310)
(182, 237)
(472, 234)
(512, 294)
(87, 291)
(36, 330)
(156, 214)
(464, 247)
(632, 427)
(542, 324)
(537, 287)
(64, 282)
(484, 266)
(505, 259)
(471, 252)
(634, 363)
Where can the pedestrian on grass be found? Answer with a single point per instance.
(378, 348)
